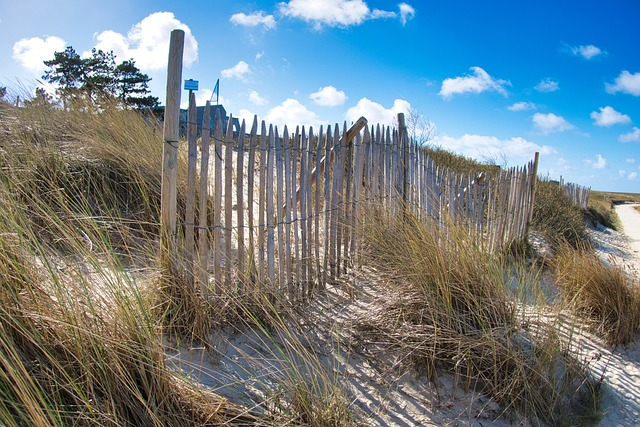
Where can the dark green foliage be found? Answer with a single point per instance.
(98, 79)
(132, 86)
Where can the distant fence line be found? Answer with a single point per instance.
(578, 194)
(286, 205)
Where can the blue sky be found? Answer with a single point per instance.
(499, 80)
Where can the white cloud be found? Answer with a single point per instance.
(630, 160)
(550, 123)
(147, 42)
(377, 14)
(633, 136)
(238, 71)
(480, 81)
(247, 116)
(253, 20)
(256, 99)
(328, 96)
(259, 55)
(375, 113)
(522, 106)
(30, 53)
(609, 117)
(340, 13)
(292, 113)
(625, 83)
(587, 52)
(632, 176)
(622, 173)
(599, 163)
(547, 85)
(406, 12)
(327, 12)
(481, 147)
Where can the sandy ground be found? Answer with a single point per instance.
(630, 219)
(621, 366)
(252, 367)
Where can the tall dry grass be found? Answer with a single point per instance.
(451, 306)
(556, 217)
(604, 295)
(79, 342)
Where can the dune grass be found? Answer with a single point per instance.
(78, 341)
(604, 295)
(556, 217)
(452, 307)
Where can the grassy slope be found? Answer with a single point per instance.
(81, 194)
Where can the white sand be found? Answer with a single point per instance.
(621, 365)
(630, 220)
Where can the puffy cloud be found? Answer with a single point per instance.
(550, 123)
(479, 81)
(247, 116)
(238, 71)
(256, 99)
(547, 85)
(599, 163)
(406, 12)
(340, 13)
(327, 12)
(292, 113)
(609, 117)
(522, 106)
(633, 136)
(375, 113)
(328, 96)
(483, 147)
(632, 176)
(625, 83)
(147, 42)
(31, 53)
(587, 52)
(253, 20)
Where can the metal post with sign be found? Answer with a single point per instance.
(190, 85)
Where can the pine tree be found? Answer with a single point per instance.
(98, 79)
(132, 86)
(66, 70)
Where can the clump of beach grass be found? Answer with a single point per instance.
(602, 294)
(79, 343)
(449, 307)
(556, 217)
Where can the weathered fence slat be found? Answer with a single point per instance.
(203, 232)
(217, 201)
(240, 205)
(189, 219)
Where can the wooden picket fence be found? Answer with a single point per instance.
(578, 194)
(281, 208)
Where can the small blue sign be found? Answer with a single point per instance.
(190, 84)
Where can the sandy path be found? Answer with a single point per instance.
(630, 220)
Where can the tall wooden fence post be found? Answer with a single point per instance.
(168, 204)
(534, 184)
